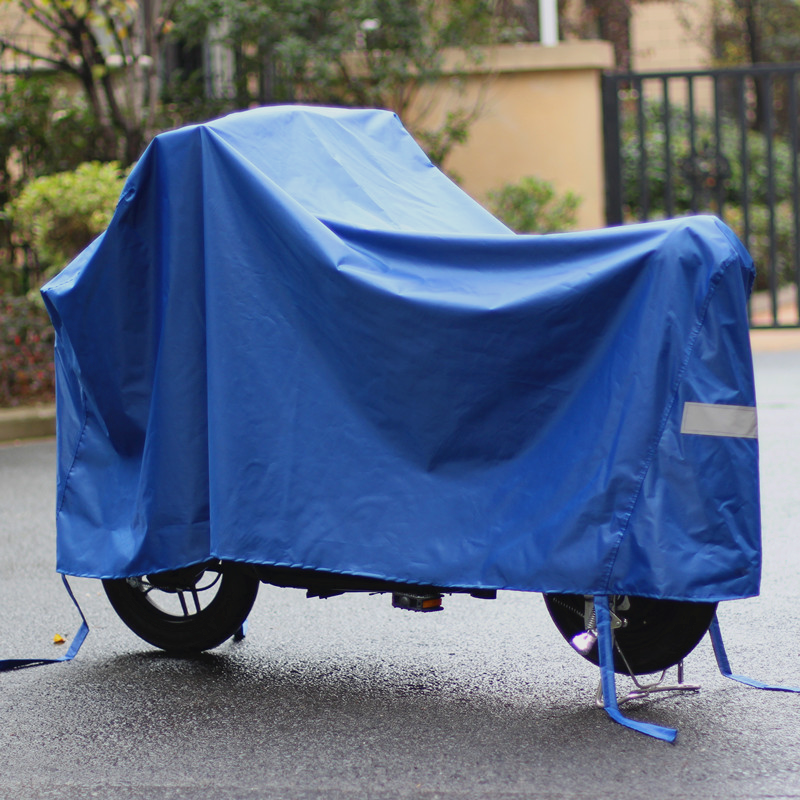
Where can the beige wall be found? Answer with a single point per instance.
(674, 36)
(671, 35)
(539, 114)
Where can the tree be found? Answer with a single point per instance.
(144, 64)
(43, 129)
(113, 49)
(756, 31)
(369, 53)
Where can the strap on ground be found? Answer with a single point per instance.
(725, 667)
(605, 647)
(242, 632)
(77, 641)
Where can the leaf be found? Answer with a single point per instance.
(59, 639)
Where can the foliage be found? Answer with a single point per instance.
(758, 237)
(438, 142)
(533, 206)
(715, 172)
(713, 169)
(358, 52)
(756, 31)
(144, 66)
(57, 215)
(362, 53)
(27, 373)
(90, 40)
(43, 129)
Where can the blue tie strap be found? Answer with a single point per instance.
(606, 650)
(725, 667)
(19, 663)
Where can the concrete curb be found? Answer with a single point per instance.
(31, 422)
(775, 339)
(36, 422)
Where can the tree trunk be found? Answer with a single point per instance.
(613, 19)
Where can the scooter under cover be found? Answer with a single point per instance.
(298, 343)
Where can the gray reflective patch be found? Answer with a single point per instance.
(717, 419)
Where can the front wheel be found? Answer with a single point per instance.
(655, 634)
(185, 610)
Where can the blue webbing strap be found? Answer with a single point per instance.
(242, 632)
(606, 649)
(77, 641)
(725, 666)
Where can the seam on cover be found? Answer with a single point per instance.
(665, 418)
(206, 134)
(74, 454)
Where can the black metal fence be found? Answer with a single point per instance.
(714, 141)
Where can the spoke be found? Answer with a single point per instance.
(214, 581)
(166, 595)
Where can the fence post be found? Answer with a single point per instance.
(611, 149)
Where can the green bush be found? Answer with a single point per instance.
(718, 170)
(56, 216)
(27, 374)
(709, 165)
(758, 242)
(533, 206)
(44, 128)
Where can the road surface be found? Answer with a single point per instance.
(350, 699)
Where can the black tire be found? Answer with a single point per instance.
(187, 610)
(657, 635)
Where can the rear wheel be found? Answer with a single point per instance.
(185, 610)
(655, 635)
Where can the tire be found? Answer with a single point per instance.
(657, 635)
(186, 610)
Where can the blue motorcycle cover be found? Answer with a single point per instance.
(299, 344)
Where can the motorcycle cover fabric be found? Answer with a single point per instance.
(299, 344)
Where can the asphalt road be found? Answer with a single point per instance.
(349, 698)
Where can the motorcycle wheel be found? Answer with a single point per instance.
(186, 610)
(657, 633)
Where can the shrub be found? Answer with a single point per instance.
(27, 374)
(533, 206)
(57, 215)
(44, 128)
(758, 242)
(717, 170)
(710, 164)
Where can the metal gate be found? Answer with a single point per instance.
(714, 141)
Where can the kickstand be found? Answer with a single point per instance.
(644, 690)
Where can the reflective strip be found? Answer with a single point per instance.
(716, 419)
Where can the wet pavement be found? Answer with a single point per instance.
(349, 698)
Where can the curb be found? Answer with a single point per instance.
(30, 422)
(770, 340)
